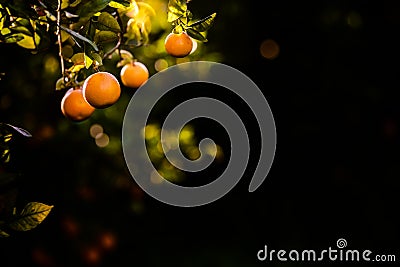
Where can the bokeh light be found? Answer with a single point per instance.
(354, 20)
(102, 140)
(269, 49)
(95, 130)
(160, 64)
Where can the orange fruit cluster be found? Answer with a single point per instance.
(100, 90)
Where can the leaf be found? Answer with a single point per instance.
(22, 29)
(3, 234)
(75, 3)
(88, 61)
(105, 36)
(96, 57)
(12, 38)
(92, 7)
(77, 35)
(19, 130)
(60, 84)
(29, 42)
(125, 54)
(176, 9)
(5, 155)
(31, 216)
(196, 35)
(203, 24)
(64, 4)
(107, 22)
(119, 4)
(146, 9)
(78, 58)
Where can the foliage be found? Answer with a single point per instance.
(91, 31)
(180, 16)
(34, 212)
(88, 33)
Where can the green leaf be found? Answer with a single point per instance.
(3, 234)
(119, 4)
(60, 84)
(107, 22)
(203, 24)
(75, 3)
(64, 4)
(30, 42)
(31, 216)
(22, 29)
(88, 61)
(78, 58)
(13, 38)
(176, 9)
(105, 36)
(92, 7)
(196, 35)
(77, 35)
(96, 57)
(5, 155)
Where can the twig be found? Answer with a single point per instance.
(109, 53)
(59, 40)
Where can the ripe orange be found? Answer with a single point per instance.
(74, 106)
(134, 74)
(178, 44)
(101, 89)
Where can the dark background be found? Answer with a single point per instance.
(333, 91)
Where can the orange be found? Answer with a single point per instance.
(178, 44)
(134, 74)
(101, 89)
(74, 105)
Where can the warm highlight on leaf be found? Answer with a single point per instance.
(31, 216)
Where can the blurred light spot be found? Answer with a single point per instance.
(269, 49)
(95, 130)
(186, 134)
(136, 192)
(211, 149)
(51, 64)
(169, 140)
(108, 241)
(193, 153)
(137, 207)
(46, 132)
(354, 20)
(70, 227)
(86, 193)
(155, 178)
(331, 16)
(42, 258)
(92, 255)
(151, 131)
(102, 140)
(160, 64)
(220, 153)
